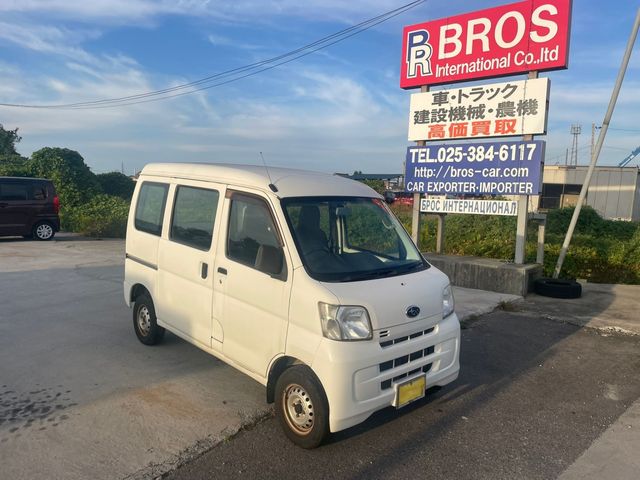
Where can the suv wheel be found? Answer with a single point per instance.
(43, 231)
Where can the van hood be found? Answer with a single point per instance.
(388, 299)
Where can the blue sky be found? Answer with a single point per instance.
(340, 109)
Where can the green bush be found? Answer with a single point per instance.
(601, 251)
(116, 184)
(590, 223)
(102, 216)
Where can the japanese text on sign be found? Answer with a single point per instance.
(505, 40)
(494, 110)
(501, 168)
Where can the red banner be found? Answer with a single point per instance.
(506, 40)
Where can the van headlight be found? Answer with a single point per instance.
(341, 322)
(448, 304)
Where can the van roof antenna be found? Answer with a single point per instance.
(273, 188)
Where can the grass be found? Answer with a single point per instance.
(601, 251)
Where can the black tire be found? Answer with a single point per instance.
(299, 389)
(144, 321)
(43, 231)
(556, 288)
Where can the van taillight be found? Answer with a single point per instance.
(56, 204)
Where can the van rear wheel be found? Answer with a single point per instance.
(144, 321)
(301, 407)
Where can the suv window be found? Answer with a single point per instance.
(39, 191)
(252, 236)
(194, 213)
(150, 207)
(15, 191)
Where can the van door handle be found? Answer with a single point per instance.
(204, 271)
(4, 205)
(221, 270)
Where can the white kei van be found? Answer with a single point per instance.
(304, 281)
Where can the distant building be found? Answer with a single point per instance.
(392, 181)
(614, 192)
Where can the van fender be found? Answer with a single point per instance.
(301, 349)
(279, 365)
(136, 290)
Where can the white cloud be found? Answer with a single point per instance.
(222, 41)
(47, 39)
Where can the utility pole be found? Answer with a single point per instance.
(593, 138)
(598, 148)
(575, 131)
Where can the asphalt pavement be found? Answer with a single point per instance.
(532, 397)
(545, 388)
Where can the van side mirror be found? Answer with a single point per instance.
(269, 259)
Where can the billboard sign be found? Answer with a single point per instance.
(489, 168)
(494, 110)
(442, 204)
(505, 40)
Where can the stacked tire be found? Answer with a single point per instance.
(557, 288)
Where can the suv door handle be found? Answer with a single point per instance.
(221, 270)
(204, 270)
(4, 205)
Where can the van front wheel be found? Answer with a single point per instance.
(144, 321)
(301, 407)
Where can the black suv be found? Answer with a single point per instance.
(28, 207)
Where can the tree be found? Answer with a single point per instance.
(8, 140)
(377, 185)
(117, 184)
(75, 183)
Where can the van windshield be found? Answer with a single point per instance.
(344, 239)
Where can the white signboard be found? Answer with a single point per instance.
(478, 207)
(494, 110)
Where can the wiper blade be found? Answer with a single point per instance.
(371, 274)
(383, 272)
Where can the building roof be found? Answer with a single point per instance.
(371, 176)
(289, 182)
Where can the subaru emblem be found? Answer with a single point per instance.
(412, 311)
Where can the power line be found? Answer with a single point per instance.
(231, 75)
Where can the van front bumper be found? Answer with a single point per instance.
(359, 377)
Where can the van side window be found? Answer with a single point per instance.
(194, 213)
(14, 191)
(252, 238)
(150, 207)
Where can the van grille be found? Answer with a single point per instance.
(386, 384)
(396, 362)
(395, 341)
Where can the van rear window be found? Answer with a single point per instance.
(150, 207)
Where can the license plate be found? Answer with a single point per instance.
(410, 391)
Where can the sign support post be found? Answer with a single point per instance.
(523, 208)
(415, 218)
(440, 234)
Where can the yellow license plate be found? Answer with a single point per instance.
(410, 391)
